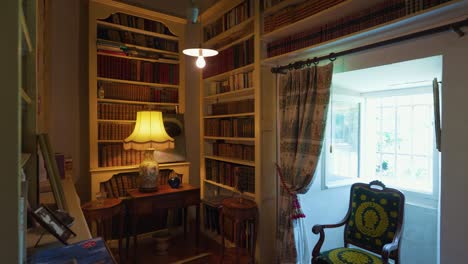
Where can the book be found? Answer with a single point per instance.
(91, 251)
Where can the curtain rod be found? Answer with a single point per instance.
(455, 26)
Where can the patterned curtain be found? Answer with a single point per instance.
(304, 96)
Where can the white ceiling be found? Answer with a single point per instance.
(171, 7)
(407, 74)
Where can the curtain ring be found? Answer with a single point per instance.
(315, 61)
(290, 66)
(297, 65)
(332, 57)
(308, 62)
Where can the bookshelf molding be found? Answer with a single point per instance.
(138, 58)
(237, 161)
(125, 77)
(224, 75)
(232, 94)
(420, 20)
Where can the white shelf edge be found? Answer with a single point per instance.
(227, 187)
(136, 102)
(138, 58)
(229, 115)
(137, 82)
(232, 160)
(136, 30)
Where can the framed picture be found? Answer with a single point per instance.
(52, 170)
(47, 219)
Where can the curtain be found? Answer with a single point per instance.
(304, 96)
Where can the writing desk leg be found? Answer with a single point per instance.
(197, 226)
(185, 222)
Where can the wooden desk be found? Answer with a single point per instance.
(165, 198)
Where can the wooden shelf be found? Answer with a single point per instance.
(140, 47)
(225, 75)
(228, 32)
(138, 58)
(110, 141)
(231, 94)
(136, 30)
(24, 28)
(25, 96)
(227, 187)
(425, 18)
(229, 115)
(230, 138)
(231, 160)
(116, 121)
(244, 38)
(280, 6)
(135, 102)
(24, 158)
(340, 10)
(138, 83)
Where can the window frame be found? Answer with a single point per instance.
(421, 198)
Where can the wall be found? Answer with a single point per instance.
(10, 114)
(67, 109)
(417, 240)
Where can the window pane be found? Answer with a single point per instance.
(387, 136)
(343, 162)
(404, 130)
(422, 130)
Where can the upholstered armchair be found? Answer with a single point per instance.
(374, 222)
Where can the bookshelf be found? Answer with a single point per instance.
(135, 64)
(232, 121)
(345, 21)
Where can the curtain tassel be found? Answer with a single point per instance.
(296, 206)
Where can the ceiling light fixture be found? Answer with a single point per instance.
(201, 53)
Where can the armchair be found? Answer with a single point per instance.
(374, 222)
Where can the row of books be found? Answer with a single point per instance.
(131, 92)
(212, 223)
(233, 107)
(120, 49)
(115, 155)
(383, 12)
(232, 127)
(295, 13)
(137, 70)
(270, 3)
(231, 174)
(235, 151)
(137, 39)
(113, 131)
(118, 111)
(233, 17)
(231, 58)
(138, 22)
(233, 83)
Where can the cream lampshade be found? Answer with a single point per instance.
(149, 135)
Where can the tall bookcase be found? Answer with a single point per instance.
(232, 120)
(28, 91)
(135, 64)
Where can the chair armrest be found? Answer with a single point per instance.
(319, 229)
(390, 247)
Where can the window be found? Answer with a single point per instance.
(389, 137)
(342, 159)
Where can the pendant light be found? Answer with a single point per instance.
(199, 52)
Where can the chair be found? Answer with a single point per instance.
(374, 222)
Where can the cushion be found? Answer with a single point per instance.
(374, 218)
(347, 256)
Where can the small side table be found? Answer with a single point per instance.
(240, 211)
(102, 213)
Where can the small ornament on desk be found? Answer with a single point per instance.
(174, 180)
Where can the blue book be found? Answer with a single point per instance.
(91, 251)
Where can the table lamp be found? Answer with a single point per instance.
(149, 135)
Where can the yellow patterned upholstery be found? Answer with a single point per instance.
(347, 256)
(373, 222)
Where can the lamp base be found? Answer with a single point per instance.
(149, 173)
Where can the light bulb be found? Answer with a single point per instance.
(200, 62)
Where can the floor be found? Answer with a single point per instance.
(182, 251)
